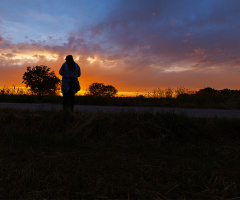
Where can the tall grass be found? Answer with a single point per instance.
(168, 92)
(14, 90)
(65, 155)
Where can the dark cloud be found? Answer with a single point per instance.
(148, 26)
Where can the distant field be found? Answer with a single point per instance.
(65, 155)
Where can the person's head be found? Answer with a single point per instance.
(69, 58)
(70, 62)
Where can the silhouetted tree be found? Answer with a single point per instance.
(207, 91)
(109, 91)
(228, 92)
(99, 89)
(40, 80)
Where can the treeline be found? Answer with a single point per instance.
(211, 91)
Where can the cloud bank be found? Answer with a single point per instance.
(133, 45)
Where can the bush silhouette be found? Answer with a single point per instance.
(99, 89)
(207, 91)
(41, 81)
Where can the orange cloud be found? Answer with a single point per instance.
(199, 52)
(143, 47)
(189, 34)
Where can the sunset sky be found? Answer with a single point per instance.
(134, 45)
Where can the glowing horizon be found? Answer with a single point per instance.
(14, 90)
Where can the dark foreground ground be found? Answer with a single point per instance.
(117, 155)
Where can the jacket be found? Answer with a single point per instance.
(66, 74)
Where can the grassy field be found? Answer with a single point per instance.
(66, 155)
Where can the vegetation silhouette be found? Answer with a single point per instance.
(99, 89)
(183, 98)
(211, 91)
(41, 81)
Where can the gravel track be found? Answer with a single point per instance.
(192, 112)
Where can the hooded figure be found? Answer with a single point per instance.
(69, 70)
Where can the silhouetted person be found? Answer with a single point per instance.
(69, 70)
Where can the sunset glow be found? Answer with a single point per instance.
(32, 57)
(91, 60)
(135, 46)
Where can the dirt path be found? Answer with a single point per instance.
(188, 111)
